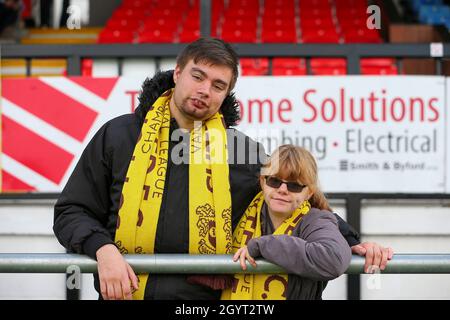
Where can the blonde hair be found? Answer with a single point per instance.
(293, 163)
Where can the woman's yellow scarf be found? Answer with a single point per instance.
(142, 193)
(260, 286)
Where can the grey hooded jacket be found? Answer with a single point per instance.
(315, 252)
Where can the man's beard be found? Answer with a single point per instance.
(193, 113)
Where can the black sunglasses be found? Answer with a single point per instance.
(291, 186)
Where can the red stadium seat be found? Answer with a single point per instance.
(156, 36)
(377, 62)
(328, 62)
(361, 35)
(167, 13)
(379, 70)
(187, 35)
(288, 72)
(182, 4)
(328, 71)
(254, 62)
(278, 12)
(320, 36)
(315, 14)
(288, 62)
(116, 36)
(240, 24)
(254, 66)
(352, 23)
(239, 36)
(86, 67)
(350, 3)
(288, 66)
(279, 35)
(323, 4)
(378, 66)
(192, 24)
(270, 24)
(129, 24)
(160, 23)
(278, 3)
(242, 12)
(138, 4)
(328, 66)
(243, 3)
(312, 23)
(130, 14)
(315, 3)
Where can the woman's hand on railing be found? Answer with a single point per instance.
(242, 255)
(375, 254)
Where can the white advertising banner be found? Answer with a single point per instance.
(368, 134)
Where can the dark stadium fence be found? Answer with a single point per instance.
(351, 52)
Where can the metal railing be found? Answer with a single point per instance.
(206, 264)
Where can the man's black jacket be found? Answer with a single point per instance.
(86, 211)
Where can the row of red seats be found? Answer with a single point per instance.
(307, 36)
(297, 66)
(318, 66)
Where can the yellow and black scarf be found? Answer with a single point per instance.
(260, 286)
(209, 188)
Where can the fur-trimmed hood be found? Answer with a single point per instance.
(163, 81)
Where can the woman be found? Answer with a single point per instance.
(289, 223)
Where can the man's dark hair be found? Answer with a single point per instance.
(213, 51)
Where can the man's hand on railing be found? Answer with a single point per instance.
(116, 275)
(375, 255)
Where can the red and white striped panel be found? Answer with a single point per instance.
(45, 125)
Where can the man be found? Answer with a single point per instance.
(134, 190)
